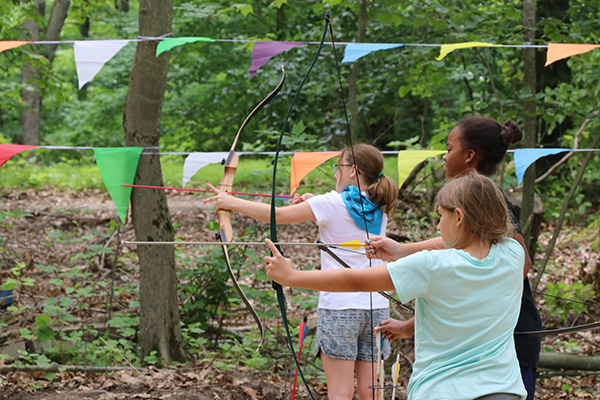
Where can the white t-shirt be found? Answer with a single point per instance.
(466, 310)
(336, 226)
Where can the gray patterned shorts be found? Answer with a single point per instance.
(348, 334)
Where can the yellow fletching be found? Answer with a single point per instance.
(353, 244)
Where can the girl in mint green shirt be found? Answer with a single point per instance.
(467, 296)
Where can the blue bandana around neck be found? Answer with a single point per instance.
(362, 210)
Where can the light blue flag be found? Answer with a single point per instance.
(354, 51)
(525, 157)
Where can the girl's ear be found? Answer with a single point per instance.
(460, 217)
(470, 155)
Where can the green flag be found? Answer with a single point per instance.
(117, 166)
(168, 43)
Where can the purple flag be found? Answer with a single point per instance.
(264, 51)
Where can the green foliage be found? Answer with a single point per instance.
(402, 93)
(204, 276)
(592, 231)
(406, 99)
(577, 292)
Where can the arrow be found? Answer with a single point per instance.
(353, 244)
(379, 341)
(395, 375)
(280, 197)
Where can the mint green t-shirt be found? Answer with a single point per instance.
(466, 310)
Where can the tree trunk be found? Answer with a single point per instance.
(31, 93)
(122, 5)
(353, 78)
(30, 89)
(568, 361)
(530, 119)
(159, 313)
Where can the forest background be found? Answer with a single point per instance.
(397, 99)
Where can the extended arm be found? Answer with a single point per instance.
(387, 249)
(372, 279)
(261, 211)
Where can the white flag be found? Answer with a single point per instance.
(91, 55)
(196, 161)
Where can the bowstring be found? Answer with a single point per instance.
(273, 218)
(339, 77)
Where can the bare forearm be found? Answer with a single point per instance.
(407, 249)
(340, 280)
(258, 211)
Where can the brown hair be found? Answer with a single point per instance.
(483, 204)
(369, 161)
(489, 139)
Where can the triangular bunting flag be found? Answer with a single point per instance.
(9, 150)
(11, 44)
(168, 43)
(408, 160)
(117, 166)
(525, 157)
(91, 55)
(303, 163)
(196, 161)
(448, 48)
(264, 51)
(558, 51)
(354, 51)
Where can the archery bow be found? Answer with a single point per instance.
(273, 220)
(339, 76)
(225, 230)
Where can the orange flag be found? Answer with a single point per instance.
(558, 51)
(303, 163)
(11, 44)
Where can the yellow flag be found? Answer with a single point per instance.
(448, 48)
(408, 159)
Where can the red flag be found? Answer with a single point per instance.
(9, 150)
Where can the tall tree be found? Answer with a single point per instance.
(32, 71)
(353, 78)
(530, 118)
(160, 329)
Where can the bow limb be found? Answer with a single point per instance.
(241, 293)
(231, 163)
(225, 230)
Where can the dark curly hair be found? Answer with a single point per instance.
(489, 139)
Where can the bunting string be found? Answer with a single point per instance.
(117, 165)
(91, 55)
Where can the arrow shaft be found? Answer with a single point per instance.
(232, 243)
(203, 191)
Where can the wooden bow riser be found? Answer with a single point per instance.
(226, 185)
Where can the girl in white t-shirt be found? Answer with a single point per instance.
(467, 296)
(345, 321)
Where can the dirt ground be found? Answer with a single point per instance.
(25, 238)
